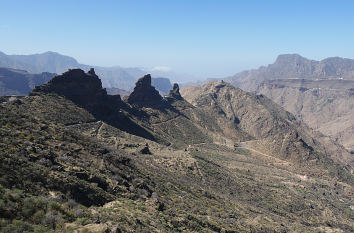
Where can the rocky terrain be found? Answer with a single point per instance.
(318, 92)
(20, 82)
(325, 105)
(75, 159)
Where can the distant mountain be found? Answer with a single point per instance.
(325, 105)
(37, 63)
(318, 92)
(20, 82)
(294, 66)
(162, 84)
(112, 77)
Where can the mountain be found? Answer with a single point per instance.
(162, 84)
(37, 63)
(272, 129)
(20, 82)
(317, 92)
(77, 159)
(293, 66)
(325, 105)
(112, 77)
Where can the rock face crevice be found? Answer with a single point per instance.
(144, 94)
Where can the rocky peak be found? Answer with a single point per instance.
(290, 58)
(82, 88)
(174, 93)
(74, 82)
(144, 93)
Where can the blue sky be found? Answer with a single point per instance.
(203, 38)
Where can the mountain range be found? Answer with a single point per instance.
(20, 82)
(294, 66)
(52, 62)
(207, 159)
(318, 92)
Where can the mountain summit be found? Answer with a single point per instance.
(84, 89)
(144, 93)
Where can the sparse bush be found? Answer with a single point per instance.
(83, 221)
(79, 213)
(52, 219)
(31, 205)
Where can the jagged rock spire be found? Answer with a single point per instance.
(144, 93)
(174, 93)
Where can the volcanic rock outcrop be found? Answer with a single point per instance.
(174, 93)
(85, 89)
(144, 94)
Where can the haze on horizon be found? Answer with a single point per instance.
(201, 38)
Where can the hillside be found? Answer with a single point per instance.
(325, 105)
(75, 158)
(20, 82)
(317, 92)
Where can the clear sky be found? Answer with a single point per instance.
(203, 38)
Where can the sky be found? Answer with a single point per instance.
(198, 37)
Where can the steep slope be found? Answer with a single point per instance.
(318, 92)
(293, 66)
(325, 105)
(275, 130)
(161, 166)
(20, 82)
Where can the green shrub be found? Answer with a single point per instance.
(38, 216)
(83, 221)
(31, 205)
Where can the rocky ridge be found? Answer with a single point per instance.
(85, 89)
(229, 161)
(294, 66)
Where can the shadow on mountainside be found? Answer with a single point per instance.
(85, 90)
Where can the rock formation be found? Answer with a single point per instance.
(144, 93)
(174, 93)
(85, 89)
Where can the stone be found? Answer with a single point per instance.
(144, 93)
(84, 89)
(174, 93)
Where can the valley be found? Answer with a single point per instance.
(225, 161)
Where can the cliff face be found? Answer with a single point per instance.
(144, 93)
(84, 89)
(325, 105)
